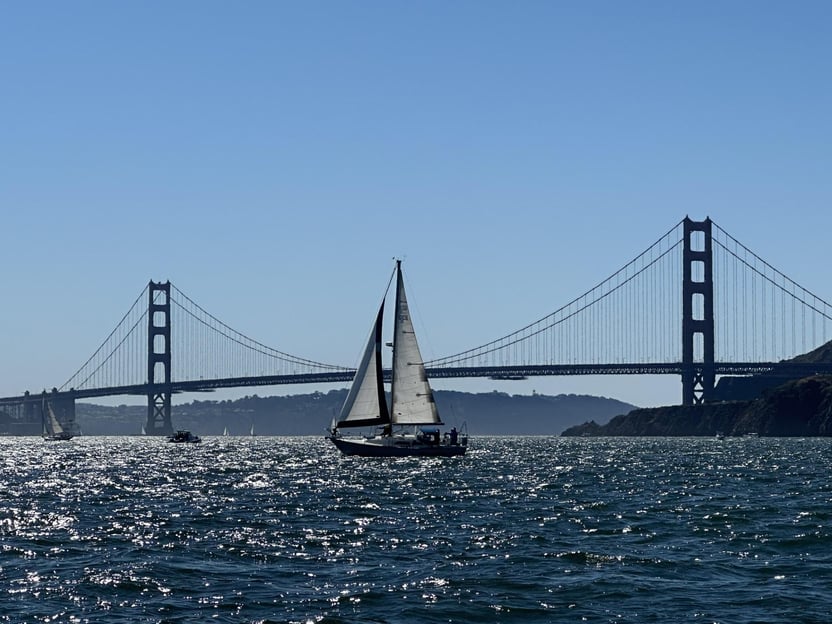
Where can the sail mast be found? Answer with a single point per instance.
(393, 372)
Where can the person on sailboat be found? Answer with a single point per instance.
(454, 436)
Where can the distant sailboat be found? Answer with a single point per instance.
(252, 429)
(411, 425)
(225, 431)
(52, 428)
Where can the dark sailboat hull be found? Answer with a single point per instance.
(395, 446)
(57, 437)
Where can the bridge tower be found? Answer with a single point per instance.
(697, 313)
(158, 359)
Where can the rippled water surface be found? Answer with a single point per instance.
(521, 529)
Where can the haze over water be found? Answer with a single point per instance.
(521, 529)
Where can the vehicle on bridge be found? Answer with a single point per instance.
(411, 425)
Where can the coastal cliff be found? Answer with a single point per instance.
(800, 407)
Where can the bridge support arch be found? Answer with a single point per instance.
(158, 360)
(698, 376)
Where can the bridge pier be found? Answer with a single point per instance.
(158, 360)
(20, 417)
(29, 408)
(698, 378)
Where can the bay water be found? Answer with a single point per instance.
(521, 529)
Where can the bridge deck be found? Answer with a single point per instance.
(496, 372)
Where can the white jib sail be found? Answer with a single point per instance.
(412, 396)
(365, 404)
(54, 425)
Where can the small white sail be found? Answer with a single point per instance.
(225, 431)
(413, 402)
(366, 404)
(54, 426)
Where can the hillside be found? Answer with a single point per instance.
(801, 407)
(493, 413)
(747, 388)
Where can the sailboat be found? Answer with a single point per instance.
(52, 428)
(411, 424)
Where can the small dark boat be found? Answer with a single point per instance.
(184, 436)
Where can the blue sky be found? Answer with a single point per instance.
(270, 158)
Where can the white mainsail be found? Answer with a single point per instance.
(366, 404)
(413, 402)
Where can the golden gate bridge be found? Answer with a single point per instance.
(696, 303)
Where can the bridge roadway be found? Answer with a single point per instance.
(780, 369)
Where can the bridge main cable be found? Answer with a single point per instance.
(551, 320)
(242, 339)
